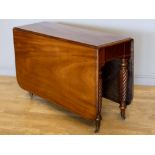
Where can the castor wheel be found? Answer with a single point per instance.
(98, 123)
(31, 95)
(123, 115)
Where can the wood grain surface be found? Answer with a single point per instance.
(70, 33)
(59, 71)
(21, 115)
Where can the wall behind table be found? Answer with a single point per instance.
(143, 32)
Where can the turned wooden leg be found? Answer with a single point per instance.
(123, 86)
(99, 117)
(31, 95)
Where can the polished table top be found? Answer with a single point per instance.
(90, 37)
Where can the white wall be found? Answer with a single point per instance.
(7, 63)
(143, 32)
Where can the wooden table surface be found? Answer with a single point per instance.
(85, 36)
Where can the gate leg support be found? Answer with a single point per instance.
(123, 86)
(99, 117)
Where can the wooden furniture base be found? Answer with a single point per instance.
(63, 64)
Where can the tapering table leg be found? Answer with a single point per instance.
(99, 117)
(98, 123)
(123, 86)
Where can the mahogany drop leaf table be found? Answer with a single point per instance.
(75, 67)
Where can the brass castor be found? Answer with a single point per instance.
(98, 123)
(31, 95)
(123, 116)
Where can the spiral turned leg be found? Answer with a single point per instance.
(99, 117)
(123, 86)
